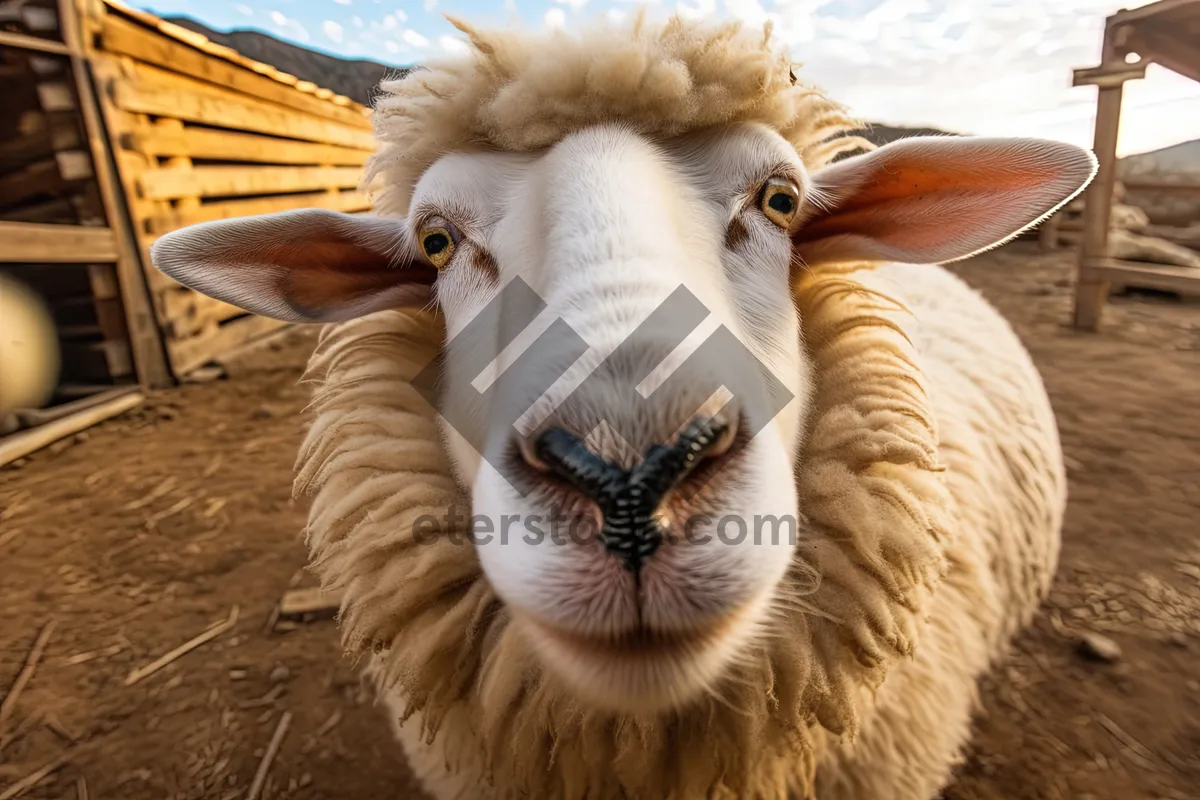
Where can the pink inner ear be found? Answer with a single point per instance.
(343, 271)
(939, 199)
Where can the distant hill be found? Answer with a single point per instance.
(355, 79)
(1180, 160)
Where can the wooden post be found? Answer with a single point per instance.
(1090, 293)
(1048, 232)
(145, 337)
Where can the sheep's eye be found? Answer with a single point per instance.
(780, 202)
(438, 244)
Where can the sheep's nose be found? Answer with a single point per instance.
(629, 499)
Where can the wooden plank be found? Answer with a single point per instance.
(1162, 186)
(57, 210)
(22, 444)
(73, 165)
(190, 353)
(225, 53)
(309, 603)
(124, 36)
(145, 338)
(343, 201)
(165, 184)
(32, 418)
(1163, 9)
(188, 312)
(1158, 44)
(26, 42)
(208, 143)
(55, 96)
(1108, 75)
(1091, 292)
(35, 180)
(1185, 280)
(39, 243)
(96, 360)
(149, 90)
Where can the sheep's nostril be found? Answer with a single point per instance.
(528, 451)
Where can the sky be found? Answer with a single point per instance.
(984, 67)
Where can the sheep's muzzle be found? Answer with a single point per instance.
(628, 499)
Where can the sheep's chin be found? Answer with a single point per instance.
(642, 674)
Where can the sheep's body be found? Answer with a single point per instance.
(456, 669)
(999, 443)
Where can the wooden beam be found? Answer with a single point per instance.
(1185, 280)
(38, 243)
(195, 351)
(22, 444)
(1162, 186)
(1163, 9)
(228, 209)
(1091, 292)
(124, 36)
(199, 42)
(1162, 47)
(220, 145)
(166, 184)
(149, 90)
(145, 338)
(1109, 75)
(25, 42)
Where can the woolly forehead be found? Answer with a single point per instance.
(519, 91)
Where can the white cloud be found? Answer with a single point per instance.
(992, 67)
(391, 47)
(332, 30)
(510, 6)
(452, 45)
(244, 10)
(555, 18)
(701, 9)
(615, 15)
(413, 38)
(356, 21)
(289, 27)
(344, 2)
(576, 5)
(430, 5)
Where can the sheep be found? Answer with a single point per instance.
(917, 447)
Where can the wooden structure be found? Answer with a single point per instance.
(120, 127)
(1166, 33)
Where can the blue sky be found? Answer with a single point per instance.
(991, 67)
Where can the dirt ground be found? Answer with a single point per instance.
(143, 532)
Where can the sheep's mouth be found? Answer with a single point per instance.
(641, 642)
(638, 671)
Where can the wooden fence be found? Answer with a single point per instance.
(120, 127)
(201, 133)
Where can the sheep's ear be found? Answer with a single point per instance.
(933, 199)
(308, 265)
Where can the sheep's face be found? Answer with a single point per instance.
(637, 580)
(625, 387)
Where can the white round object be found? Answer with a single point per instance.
(29, 353)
